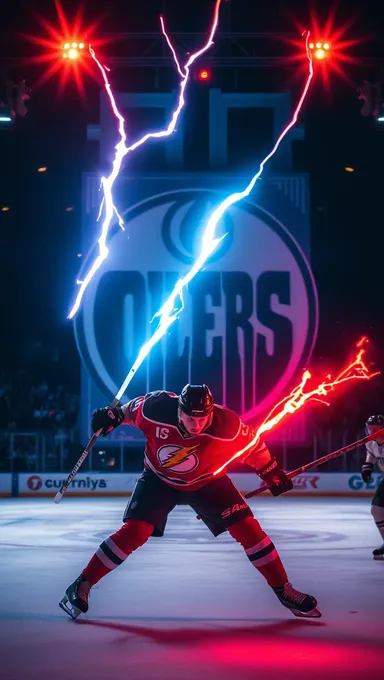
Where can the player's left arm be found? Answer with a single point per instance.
(265, 465)
(106, 419)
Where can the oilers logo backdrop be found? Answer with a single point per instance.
(249, 320)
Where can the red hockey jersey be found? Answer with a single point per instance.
(188, 462)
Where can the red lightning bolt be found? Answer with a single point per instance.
(300, 395)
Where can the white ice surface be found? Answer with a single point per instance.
(189, 606)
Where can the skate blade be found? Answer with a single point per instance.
(378, 557)
(313, 614)
(66, 606)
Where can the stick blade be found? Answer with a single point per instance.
(58, 497)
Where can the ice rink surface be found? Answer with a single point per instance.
(188, 606)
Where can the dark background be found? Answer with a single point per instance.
(40, 238)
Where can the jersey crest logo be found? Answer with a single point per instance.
(178, 458)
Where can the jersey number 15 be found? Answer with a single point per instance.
(162, 432)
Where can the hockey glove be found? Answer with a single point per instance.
(366, 472)
(106, 419)
(274, 477)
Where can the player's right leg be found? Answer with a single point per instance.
(377, 510)
(222, 508)
(146, 515)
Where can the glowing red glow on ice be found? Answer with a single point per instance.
(303, 394)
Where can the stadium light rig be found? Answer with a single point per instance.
(320, 50)
(65, 44)
(331, 47)
(73, 50)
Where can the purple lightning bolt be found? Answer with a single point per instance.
(122, 150)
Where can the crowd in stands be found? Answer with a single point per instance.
(30, 405)
(29, 409)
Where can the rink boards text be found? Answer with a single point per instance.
(122, 484)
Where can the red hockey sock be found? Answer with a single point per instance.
(115, 549)
(260, 550)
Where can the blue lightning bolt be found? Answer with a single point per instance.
(172, 307)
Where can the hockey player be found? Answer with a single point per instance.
(188, 438)
(375, 454)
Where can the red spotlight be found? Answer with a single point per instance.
(71, 50)
(320, 50)
(204, 75)
(319, 53)
(330, 47)
(65, 48)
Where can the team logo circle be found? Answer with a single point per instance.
(34, 483)
(184, 223)
(250, 315)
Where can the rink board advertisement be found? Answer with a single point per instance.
(94, 484)
(317, 483)
(122, 484)
(5, 484)
(250, 316)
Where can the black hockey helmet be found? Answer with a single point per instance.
(196, 401)
(376, 420)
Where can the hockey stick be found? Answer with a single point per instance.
(81, 460)
(320, 461)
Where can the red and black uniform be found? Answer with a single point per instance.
(189, 462)
(179, 469)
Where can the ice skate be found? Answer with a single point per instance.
(378, 553)
(75, 600)
(300, 604)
